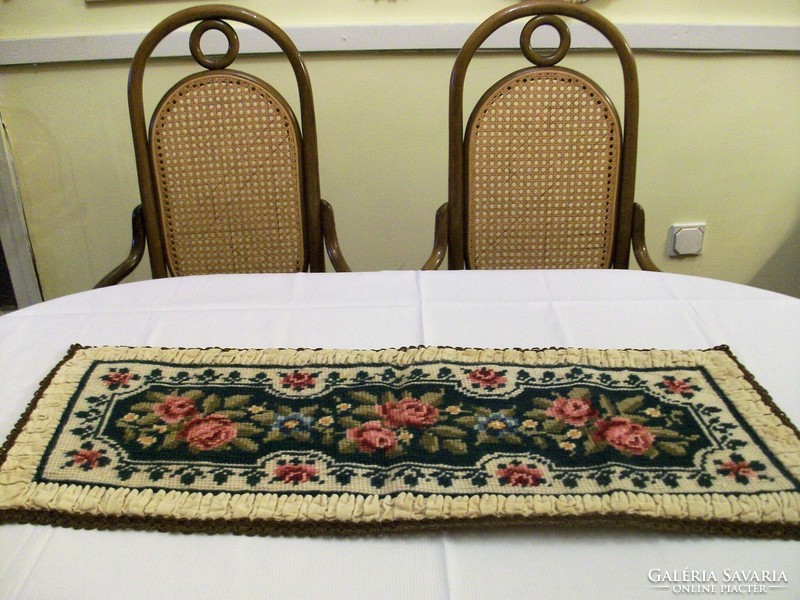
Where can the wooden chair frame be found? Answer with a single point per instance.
(451, 223)
(318, 219)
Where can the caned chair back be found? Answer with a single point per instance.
(542, 174)
(228, 176)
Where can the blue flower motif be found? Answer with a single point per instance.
(292, 423)
(496, 424)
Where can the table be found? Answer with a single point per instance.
(600, 309)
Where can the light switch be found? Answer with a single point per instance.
(686, 239)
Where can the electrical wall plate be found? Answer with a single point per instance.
(686, 239)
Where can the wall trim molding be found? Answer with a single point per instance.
(405, 37)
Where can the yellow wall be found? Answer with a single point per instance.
(719, 136)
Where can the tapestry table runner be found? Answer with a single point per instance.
(289, 441)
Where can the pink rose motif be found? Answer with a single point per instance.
(88, 459)
(408, 411)
(372, 436)
(575, 411)
(298, 380)
(294, 474)
(175, 409)
(116, 379)
(677, 386)
(486, 378)
(623, 435)
(207, 433)
(738, 469)
(520, 475)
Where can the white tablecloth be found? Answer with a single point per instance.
(599, 309)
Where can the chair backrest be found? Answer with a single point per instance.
(542, 176)
(229, 179)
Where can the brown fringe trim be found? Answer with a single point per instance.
(692, 527)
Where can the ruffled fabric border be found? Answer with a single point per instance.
(767, 514)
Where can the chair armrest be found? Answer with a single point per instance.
(331, 239)
(134, 257)
(639, 246)
(439, 240)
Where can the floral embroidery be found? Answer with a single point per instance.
(208, 433)
(740, 470)
(486, 378)
(118, 378)
(292, 422)
(622, 434)
(519, 475)
(575, 411)
(409, 411)
(87, 457)
(678, 386)
(372, 436)
(175, 409)
(299, 380)
(295, 472)
(496, 424)
(441, 426)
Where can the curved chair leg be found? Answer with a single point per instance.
(439, 240)
(331, 239)
(639, 246)
(134, 257)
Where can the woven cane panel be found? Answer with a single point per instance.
(543, 155)
(227, 164)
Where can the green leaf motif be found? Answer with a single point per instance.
(347, 446)
(155, 397)
(212, 404)
(150, 419)
(485, 438)
(672, 448)
(660, 432)
(536, 414)
(429, 442)
(348, 422)
(446, 431)
(395, 452)
(237, 401)
(233, 415)
(591, 447)
(265, 418)
(245, 444)
(273, 435)
(365, 411)
(630, 405)
(553, 426)
(170, 441)
(363, 397)
(247, 430)
(454, 446)
(466, 421)
(608, 406)
(143, 407)
(542, 403)
(432, 398)
(510, 438)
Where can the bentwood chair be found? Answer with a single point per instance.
(229, 180)
(542, 176)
